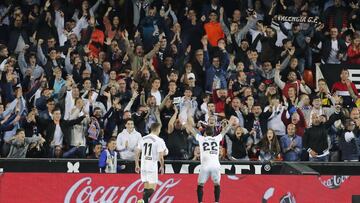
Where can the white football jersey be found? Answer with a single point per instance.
(150, 146)
(209, 150)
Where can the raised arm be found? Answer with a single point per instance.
(228, 125)
(243, 32)
(353, 91)
(68, 66)
(106, 20)
(95, 6)
(80, 24)
(152, 53)
(283, 28)
(277, 78)
(222, 23)
(22, 62)
(162, 105)
(131, 102)
(204, 42)
(304, 88)
(40, 54)
(172, 121)
(2, 65)
(225, 58)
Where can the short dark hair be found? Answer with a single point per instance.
(20, 130)
(286, 40)
(276, 96)
(50, 100)
(174, 72)
(97, 108)
(188, 88)
(85, 79)
(213, 11)
(209, 131)
(56, 109)
(344, 69)
(153, 80)
(322, 80)
(2, 47)
(96, 144)
(127, 120)
(155, 126)
(112, 139)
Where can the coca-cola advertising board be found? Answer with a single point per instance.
(127, 188)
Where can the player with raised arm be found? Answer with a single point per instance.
(209, 157)
(152, 149)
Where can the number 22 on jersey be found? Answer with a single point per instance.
(212, 147)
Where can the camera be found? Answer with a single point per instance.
(177, 100)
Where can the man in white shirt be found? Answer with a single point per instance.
(128, 140)
(209, 157)
(152, 149)
(155, 85)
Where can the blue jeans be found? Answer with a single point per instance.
(320, 159)
(301, 65)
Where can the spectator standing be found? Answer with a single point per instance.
(213, 29)
(20, 144)
(353, 52)
(291, 144)
(238, 145)
(108, 158)
(269, 146)
(348, 143)
(315, 139)
(128, 140)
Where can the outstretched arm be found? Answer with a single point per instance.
(172, 121)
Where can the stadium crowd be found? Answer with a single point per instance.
(76, 74)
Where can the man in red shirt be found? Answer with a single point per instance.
(213, 29)
(346, 89)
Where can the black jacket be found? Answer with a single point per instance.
(349, 150)
(238, 147)
(315, 137)
(65, 125)
(263, 119)
(14, 35)
(326, 46)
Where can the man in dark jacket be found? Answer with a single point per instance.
(333, 47)
(315, 139)
(18, 36)
(57, 131)
(348, 141)
(257, 120)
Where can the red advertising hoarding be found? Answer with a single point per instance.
(127, 188)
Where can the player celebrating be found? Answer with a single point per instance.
(152, 149)
(209, 157)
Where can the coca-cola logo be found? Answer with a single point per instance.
(334, 181)
(82, 191)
